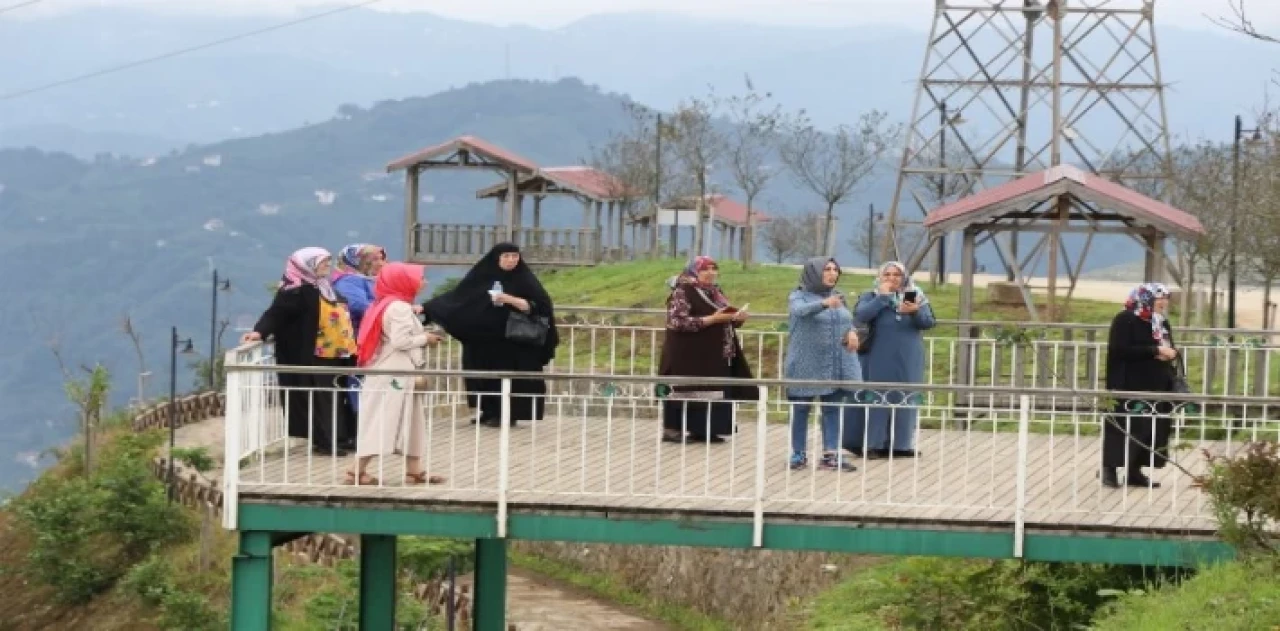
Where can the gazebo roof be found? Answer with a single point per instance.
(723, 208)
(582, 181)
(465, 151)
(1018, 195)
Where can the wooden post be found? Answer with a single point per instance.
(537, 220)
(1055, 241)
(600, 233)
(410, 212)
(513, 199)
(968, 260)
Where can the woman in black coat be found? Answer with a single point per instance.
(476, 312)
(1141, 357)
(311, 326)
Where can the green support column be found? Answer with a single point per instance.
(377, 582)
(251, 583)
(490, 605)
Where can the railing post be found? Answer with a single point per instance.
(762, 436)
(231, 443)
(1019, 517)
(504, 458)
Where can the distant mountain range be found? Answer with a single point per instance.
(301, 74)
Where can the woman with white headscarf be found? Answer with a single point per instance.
(1141, 357)
(894, 316)
(311, 326)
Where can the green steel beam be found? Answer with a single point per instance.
(251, 573)
(490, 605)
(377, 582)
(991, 544)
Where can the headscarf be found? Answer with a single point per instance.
(907, 284)
(811, 275)
(689, 276)
(302, 267)
(467, 312)
(1142, 302)
(396, 282)
(357, 258)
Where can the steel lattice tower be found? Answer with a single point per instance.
(1010, 87)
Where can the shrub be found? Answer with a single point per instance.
(424, 557)
(86, 531)
(1245, 494)
(197, 458)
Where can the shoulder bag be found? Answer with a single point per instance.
(527, 328)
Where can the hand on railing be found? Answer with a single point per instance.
(251, 336)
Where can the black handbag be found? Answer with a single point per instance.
(526, 328)
(1180, 384)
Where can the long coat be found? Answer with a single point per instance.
(815, 344)
(293, 322)
(1132, 366)
(897, 355)
(392, 417)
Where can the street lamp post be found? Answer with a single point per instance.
(946, 120)
(187, 349)
(223, 284)
(1237, 140)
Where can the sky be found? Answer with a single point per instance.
(553, 13)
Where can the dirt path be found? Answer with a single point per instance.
(534, 602)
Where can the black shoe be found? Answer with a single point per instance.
(904, 453)
(1109, 478)
(1137, 479)
(705, 439)
(877, 454)
(672, 438)
(349, 445)
(329, 451)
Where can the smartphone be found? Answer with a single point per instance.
(745, 307)
(910, 296)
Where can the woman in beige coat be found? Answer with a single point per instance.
(392, 418)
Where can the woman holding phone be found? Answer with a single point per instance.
(896, 315)
(701, 341)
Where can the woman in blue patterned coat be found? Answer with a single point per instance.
(897, 314)
(821, 346)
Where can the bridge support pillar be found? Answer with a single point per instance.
(377, 582)
(490, 610)
(251, 572)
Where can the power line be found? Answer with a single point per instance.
(14, 7)
(182, 51)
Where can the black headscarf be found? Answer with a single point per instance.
(467, 313)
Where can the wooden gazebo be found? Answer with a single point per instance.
(603, 197)
(464, 243)
(726, 222)
(1061, 200)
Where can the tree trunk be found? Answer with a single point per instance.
(749, 235)
(700, 217)
(1266, 302)
(827, 237)
(1213, 302)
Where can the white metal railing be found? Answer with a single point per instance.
(1215, 367)
(1016, 458)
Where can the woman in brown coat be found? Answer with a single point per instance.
(701, 341)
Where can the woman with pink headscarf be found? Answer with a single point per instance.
(392, 415)
(311, 326)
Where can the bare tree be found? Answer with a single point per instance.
(1260, 211)
(1202, 181)
(89, 393)
(1239, 22)
(831, 165)
(697, 145)
(752, 139)
(135, 339)
(793, 237)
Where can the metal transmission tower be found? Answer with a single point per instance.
(1010, 87)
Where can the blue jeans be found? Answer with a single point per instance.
(831, 415)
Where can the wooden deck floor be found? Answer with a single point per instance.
(571, 464)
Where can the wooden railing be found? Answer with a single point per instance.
(465, 243)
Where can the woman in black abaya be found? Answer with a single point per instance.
(475, 313)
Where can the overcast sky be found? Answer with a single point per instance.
(552, 13)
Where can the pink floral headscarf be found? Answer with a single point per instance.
(301, 269)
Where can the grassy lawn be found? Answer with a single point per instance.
(1241, 596)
